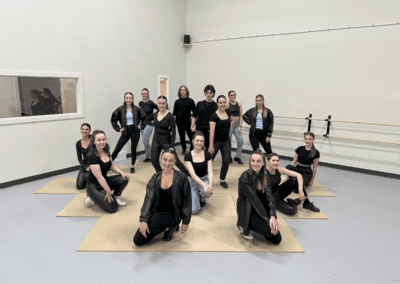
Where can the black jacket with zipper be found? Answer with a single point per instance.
(118, 116)
(268, 123)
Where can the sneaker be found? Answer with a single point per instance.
(224, 184)
(310, 206)
(184, 152)
(247, 237)
(294, 201)
(88, 202)
(147, 160)
(237, 159)
(120, 203)
(202, 203)
(132, 171)
(168, 235)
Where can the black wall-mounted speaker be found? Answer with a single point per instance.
(186, 39)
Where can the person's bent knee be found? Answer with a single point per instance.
(292, 211)
(195, 211)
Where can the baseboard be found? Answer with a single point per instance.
(75, 168)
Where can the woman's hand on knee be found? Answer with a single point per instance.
(208, 190)
(274, 225)
(144, 229)
(109, 197)
(125, 176)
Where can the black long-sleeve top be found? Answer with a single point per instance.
(252, 202)
(183, 109)
(148, 107)
(268, 123)
(119, 115)
(82, 154)
(164, 129)
(203, 112)
(181, 198)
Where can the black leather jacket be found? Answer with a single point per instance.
(268, 123)
(181, 198)
(117, 116)
(249, 203)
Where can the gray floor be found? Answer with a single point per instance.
(359, 243)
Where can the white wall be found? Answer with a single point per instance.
(117, 46)
(349, 74)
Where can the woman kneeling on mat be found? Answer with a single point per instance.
(281, 191)
(199, 164)
(255, 204)
(168, 201)
(100, 186)
(82, 149)
(305, 157)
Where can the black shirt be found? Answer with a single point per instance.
(200, 168)
(222, 127)
(165, 129)
(148, 107)
(104, 167)
(166, 203)
(82, 152)
(234, 109)
(203, 112)
(304, 156)
(183, 109)
(275, 180)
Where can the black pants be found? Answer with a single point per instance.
(259, 226)
(81, 180)
(306, 173)
(162, 143)
(157, 224)
(134, 135)
(280, 193)
(182, 128)
(225, 148)
(259, 137)
(206, 132)
(96, 192)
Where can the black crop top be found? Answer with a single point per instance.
(104, 167)
(275, 180)
(234, 109)
(304, 156)
(222, 127)
(200, 168)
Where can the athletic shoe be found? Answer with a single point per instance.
(294, 201)
(88, 202)
(247, 237)
(168, 235)
(147, 160)
(120, 203)
(202, 203)
(310, 206)
(237, 159)
(132, 171)
(224, 184)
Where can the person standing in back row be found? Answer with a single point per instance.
(148, 106)
(183, 109)
(203, 112)
(236, 111)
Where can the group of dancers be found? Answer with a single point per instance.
(173, 196)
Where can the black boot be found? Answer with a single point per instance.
(237, 159)
(168, 235)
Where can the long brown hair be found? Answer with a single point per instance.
(262, 175)
(313, 151)
(134, 109)
(265, 111)
(199, 133)
(93, 149)
(179, 91)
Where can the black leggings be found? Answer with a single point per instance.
(280, 193)
(306, 173)
(96, 192)
(206, 132)
(161, 143)
(134, 135)
(258, 138)
(182, 128)
(259, 226)
(81, 180)
(157, 224)
(225, 148)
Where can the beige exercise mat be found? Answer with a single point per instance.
(60, 185)
(116, 234)
(316, 190)
(219, 204)
(221, 234)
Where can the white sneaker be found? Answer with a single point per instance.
(88, 202)
(120, 203)
(248, 237)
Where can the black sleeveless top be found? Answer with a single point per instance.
(275, 180)
(165, 204)
(234, 109)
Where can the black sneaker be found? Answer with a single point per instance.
(132, 171)
(168, 235)
(202, 203)
(237, 159)
(224, 184)
(294, 201)
(147, 160)
(310, 206)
